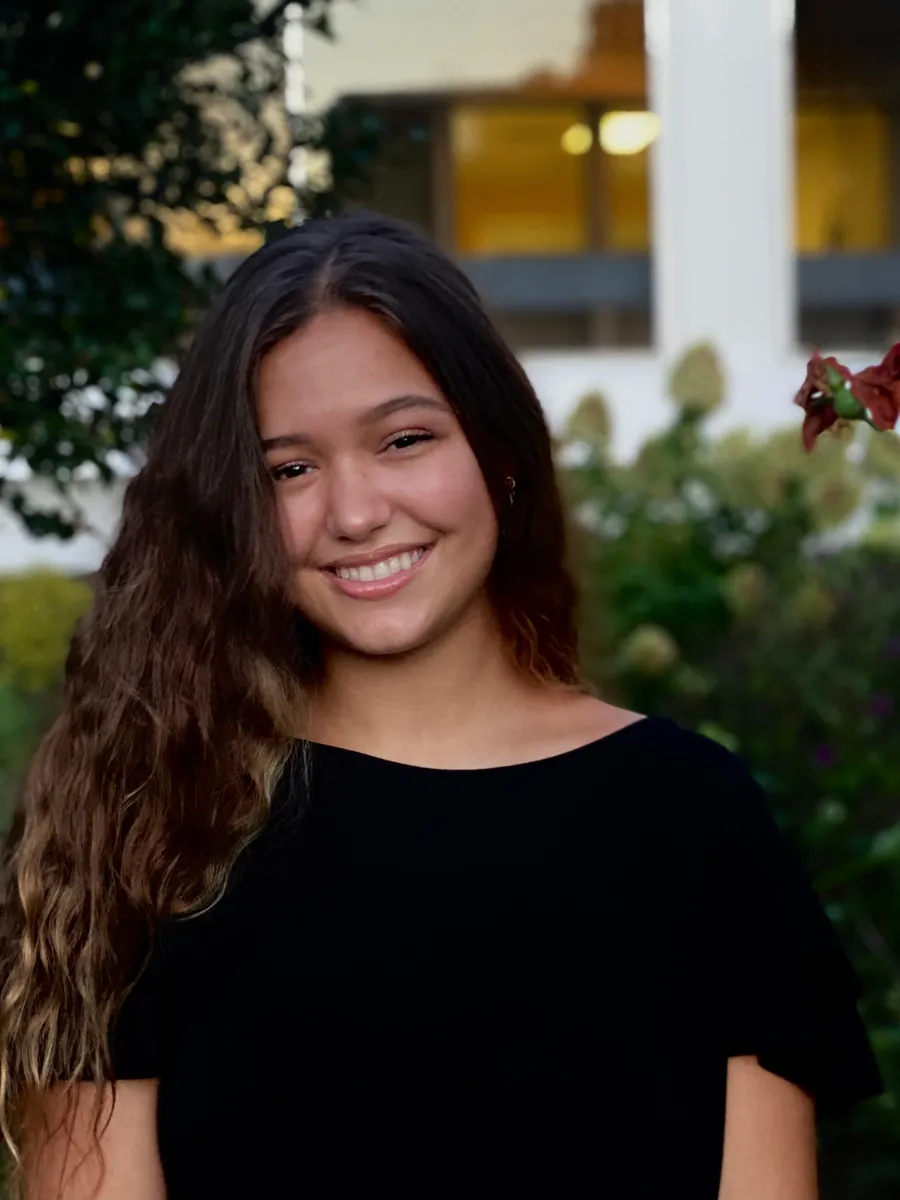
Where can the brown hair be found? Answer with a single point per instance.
(185, 683)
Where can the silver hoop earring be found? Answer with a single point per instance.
(511, 484)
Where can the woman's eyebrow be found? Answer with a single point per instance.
(400, 403)
(386, 408)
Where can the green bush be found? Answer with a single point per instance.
(38, 613)
(718, 591)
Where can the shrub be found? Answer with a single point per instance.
(38, 614)
(722, 588)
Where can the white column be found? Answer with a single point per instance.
(721, 81)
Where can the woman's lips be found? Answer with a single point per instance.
(377, 589)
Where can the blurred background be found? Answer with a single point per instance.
(665, 206)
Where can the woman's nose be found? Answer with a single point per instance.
(357, 505)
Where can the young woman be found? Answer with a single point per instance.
(334, 866)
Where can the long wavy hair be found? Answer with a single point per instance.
(186, 682)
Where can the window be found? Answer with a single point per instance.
(534, 156)
(625, 140)
(843, 179)
(847, 210)
(519, 184)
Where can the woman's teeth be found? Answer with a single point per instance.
(380, 570)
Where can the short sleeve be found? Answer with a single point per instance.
(136, 1037)
(791, 992)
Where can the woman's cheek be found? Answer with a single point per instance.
(297, 531)
(447, 488)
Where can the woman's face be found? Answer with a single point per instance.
(387, 522)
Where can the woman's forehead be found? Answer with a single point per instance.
(345, 364)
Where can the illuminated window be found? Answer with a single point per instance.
(843, 179)
(628, 204)
(519, 179)
(626, 138)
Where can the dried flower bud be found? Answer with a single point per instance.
(745, 589)
(697, 382)
(590, 422)
(649, 650)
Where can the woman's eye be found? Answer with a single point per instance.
(290, 471)
(403, 441)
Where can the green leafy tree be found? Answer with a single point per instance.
(119, 124)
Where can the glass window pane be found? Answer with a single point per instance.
(512, 93)
(519, 179)
(848, 168)
(843, 179)
(627, 198)
(400, 179)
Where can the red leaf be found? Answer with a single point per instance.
(878, 389)
(815, 397)
(816, 422)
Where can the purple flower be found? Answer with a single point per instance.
(881, 704)
(892, 647)
(824, 756)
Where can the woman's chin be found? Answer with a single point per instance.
(382, 640)
(399, 629)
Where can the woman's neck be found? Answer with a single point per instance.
(425, 706)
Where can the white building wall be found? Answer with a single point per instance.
(101, 507)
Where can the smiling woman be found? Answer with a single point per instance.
(383, 497)
(333, 861)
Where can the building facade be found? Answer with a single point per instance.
(622, 178)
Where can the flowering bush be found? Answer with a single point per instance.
(832, 393)
(721, 588)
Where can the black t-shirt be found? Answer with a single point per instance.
(424, 981)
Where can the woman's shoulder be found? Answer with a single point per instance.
(597, 727)
(587, 723)
(666, 769)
